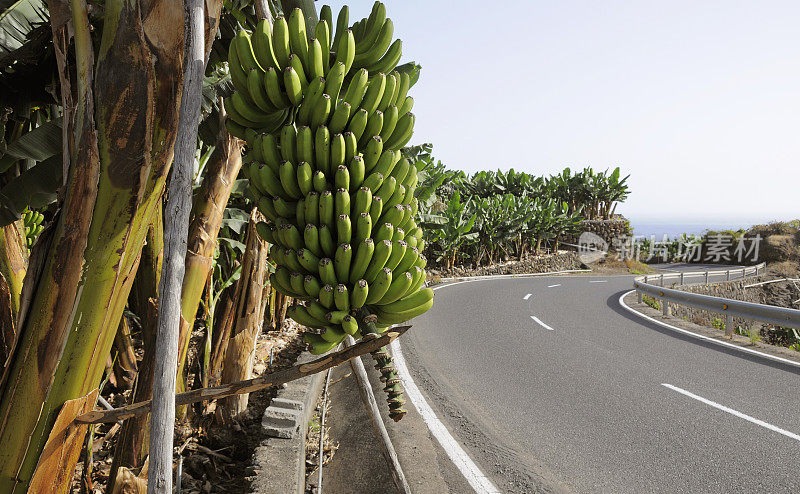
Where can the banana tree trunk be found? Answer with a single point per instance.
(132, 444)
(248, 318)
(13, 266)
(223, 325)
(118, 166)
(125, 368)
(222, 170)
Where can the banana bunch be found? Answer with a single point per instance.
(33, 226)
(325, 117)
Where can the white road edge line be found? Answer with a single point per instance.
(702, 337)
(733, 412)
(545, 326)
(526, 297)
(598, 281)
(479, 482)
(553, 286)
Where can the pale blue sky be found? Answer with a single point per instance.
(698, 100)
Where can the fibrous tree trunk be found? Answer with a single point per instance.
(250, 300)
(125, 368)
(120, 149)
(13, 266)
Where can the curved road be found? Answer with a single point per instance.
(590, 398)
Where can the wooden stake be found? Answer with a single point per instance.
(366, 345)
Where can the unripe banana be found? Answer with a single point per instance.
(419, 278)
(269, 152)
(411, 256)
(304, 178)
(421, 261)
(300, 214)
(337, 153)
(268, 181)
(385, 191)
(373, 152)
(293, 85)
(344, 230)
(296, 282)
(399, 286)
(398, 317)
(301, 315)
(262, 45)
(397, 196)
(350, 146)
(374, 93)
(341, 298)
(258, 93)
(316, 66)
(358, 297)
(399, 234)
(332, 334)
(360, 262)
(400, 170)
(326, 241)
(322, 141)
(288, 177)
(326, 209)
(317, 345)
(308, 260)
(341, 263)
(349, 325)
(266, 232)
(346, 50)
(311, 212)
(280, 41)
(410, 179)
(406, 107)
(298, 39)
(238, 74)
(311, 238)
(390, 118)
(408, 214)
(326, 271)
(409, 302)
(356, 173)
(341, 180)
(375, 209)
(289, 258)
(305, 144)
(311, 286)
(398, 252)
(311, 97)
(326, 296)
(342, 202)
(244, 50)
(321, 111)
(342, 23)
(380, 286)
(402, 132)
(404, 83)
(235, 129)
(293, 238)
(382, 250)
(336, 316)
(357, 88)
(363, 228)
(378, 49)
(288, 141)
(281, 280)
(340, 118)
(362, 201)
(389, 92)
(274, 89)
(388, 62)
(384, 232)
(235, 115)
(374, 125)
(318, 179)
(334, 81)
(323, 34)
(358, 123)
(411, 240)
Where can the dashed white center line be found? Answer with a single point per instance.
(553, 286)
(526, 297)
(733, 412)
(545, 326)
(598, 281)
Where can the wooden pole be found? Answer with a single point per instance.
(368, 344)
(176, 231)
(368, 397)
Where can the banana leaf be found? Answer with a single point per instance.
(39, 144)
(32, 189)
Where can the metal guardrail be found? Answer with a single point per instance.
(729, 308)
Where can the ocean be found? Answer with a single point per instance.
(674, 228)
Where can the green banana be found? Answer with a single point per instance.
(382, 250)
(238, 74)
(385, 191)
(308, 260)
(357, 88)
(356, 173)
(326, 296)
(380, 286)
(398, 317)
(399, 234)
(269, 152)
(311, 213)
(374, 93)
(341, 298)
(326, 241)
(411, 256)
(233, 113)
(407, 106)
(311, 286)
(342, 260)
(341, 180)
(304, 143)
(334, 81)
(317, 345)
(404, 83)
(292, 235)
(362, 201)
(390, 118)
(311, 239)
(300, 214)
(342, 21)
(320, 184)
(326, 271)
(388, 62)
(419, 278)
(373, 152)
(398, 252)
(258, 93)
(244, 51)
(358, 124)
(389, 92)
(400, 171)
(373, 27)
(360, 262)
(332, 334)
(296, 282)
(321, 111)
(293, 85)
(337, 153)
(375, 209)
(235, 129)
(349, 325)
(322, 143)
(288, 142)
(298, 40)
(363, 227)
(323, 34)
(316, 66)
(408, 303)
(358, 297)
(280, 41)
(262, 45)
(340, 118)
(326, 209)
(378, 49)
(288, 176)
(384, 232)
(346, 50)
(274, 90)
(266, 232)
(397, 196)
(310, 99)
(344, 229)
(342, 202)
(350, 146)
(374, 126)
(269, 182)
(402, 132)
(397, 289)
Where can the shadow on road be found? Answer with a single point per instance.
(613, 303)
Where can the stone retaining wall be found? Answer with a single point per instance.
(608, 230)
(562, 261)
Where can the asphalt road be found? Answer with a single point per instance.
(583, 406)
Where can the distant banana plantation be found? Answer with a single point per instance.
(490, 216)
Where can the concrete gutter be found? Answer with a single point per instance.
(280, 460)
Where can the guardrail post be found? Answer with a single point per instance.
(729, 326)
(706, 277)
(728, 275)
(665, 307)
(662, 279)
(638, 296)
(744, 272)
(681, 278)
